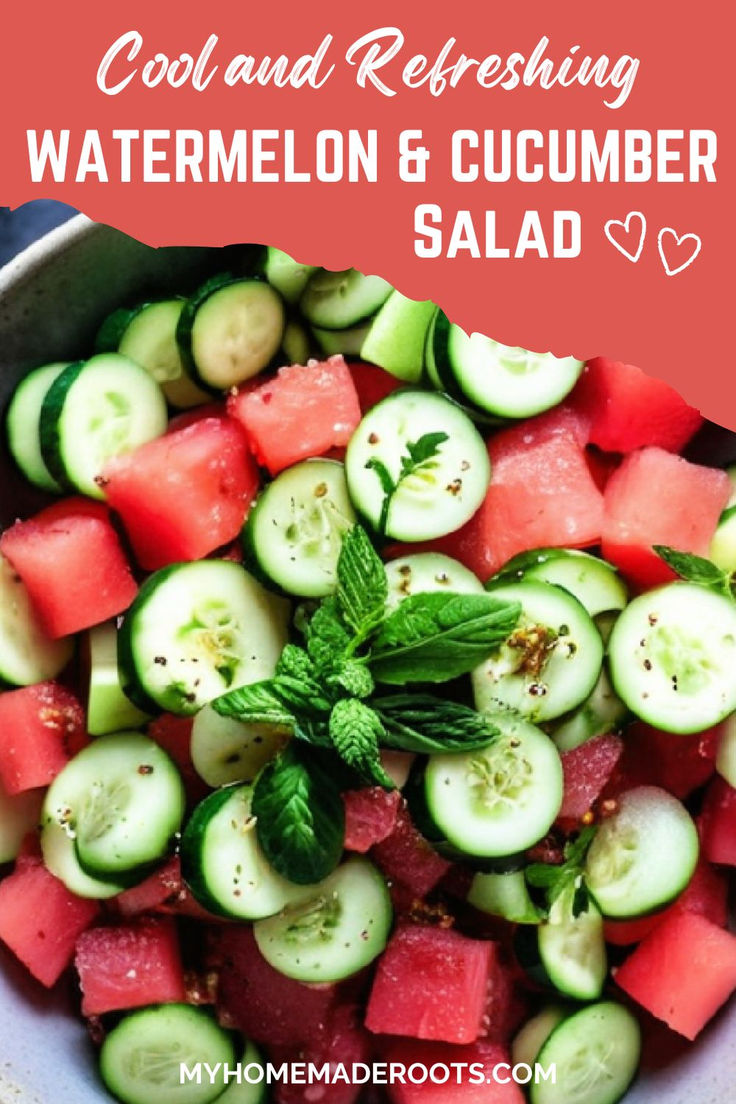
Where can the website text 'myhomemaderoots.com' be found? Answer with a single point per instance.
(364, 1073)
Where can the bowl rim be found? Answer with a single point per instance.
(51, 244)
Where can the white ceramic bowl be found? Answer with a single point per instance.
(52, 298)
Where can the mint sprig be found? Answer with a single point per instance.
(419, 457)
(566, 876)
(697, 569)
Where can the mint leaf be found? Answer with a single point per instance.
(419, 456)
(300, 818)
(257, 703)
(327, 638)
(435, 637)
(426, 724)
(353, 680)
(295, 662)
(362, 586)
(355, 731)
(566, 877)
(695, 569)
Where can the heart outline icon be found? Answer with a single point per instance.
(633, 257)
(679, 239)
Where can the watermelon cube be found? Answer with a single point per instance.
(682, 972)
(305, 410)
(586, 769)
(370, 816)
(719, 823)
(482, 1088)
(677, 762)
(158, 889)
(174, 735)
(372, 384)
(629, 409)
(655, 497)
(406, 858)
(41, 728)
(185, 494)
(129, 965)
(506, 1005)
(262, 1003)
(72, 564)
(40, 920)
(343, 1041)
(431, 983)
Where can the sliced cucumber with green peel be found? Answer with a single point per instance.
(595, 1053)
(61, 859)
(340, 300)
(723, 545)
(397, 335)
(595, 583)
(348, 342)
(498, 800)
(230, 330)
(121, 800)
(196, 630)
(225, 750)
(294, 532)
(602, 712)
(295, 344)
(288, 276)
(504, 895)
(108, 708)
(252, 1087)
(642, 856)
(572, 948)
(672, 657)
(23, 424)
(27, 654)
(503, 380)
(339, 928)
(142, 1057)
(426, 572)
(534, 1034)
(96, 410)
(222, 861)
(19, 814)
(417, 468)
(726, 757)
(549, 664)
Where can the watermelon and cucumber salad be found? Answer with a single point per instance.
(368, 697)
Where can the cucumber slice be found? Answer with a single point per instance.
(27, 654)
(348, 342)
(572, 948)
(431, 371)
(672, 656)
(726, 758)
(425, 572)
(222, 861)
(150, 340)
(504, 895)
(295, 343)
(501, 799)
(60, 858)
(224, 750)
(251, 1089)
(288, 276)
(341, 927)
(549, 664)
(196, 630)
(442, 492)
(397, 335)
(500, 379)
(108, 709)
(230, 330)
(294, 532)
(340, 300)
(141, 1058)
(723, 545)
(96, 410)
(602, 712)
(121, 800)
(596, 1056)
(595, 583)
(23, 424)
(534, 1034)
(643, 855)
(19, 815)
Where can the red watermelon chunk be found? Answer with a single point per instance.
(129, 965)
(40, 920)
(706, 895)
(264, 1004)
(407, 858)
(462, 1086)
(303, 411)
(72, 564)
(370, 816)
(541, 494)
(174, 735)
(342, 1041)
(657, 498)
(431, 983)
(629, 409)
(372, 384)
(41, 728)
(677, 762)
(506, 1006)
(185, 494)
(586, 769)
(158, 889)
(682, 972)
(719, 823)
